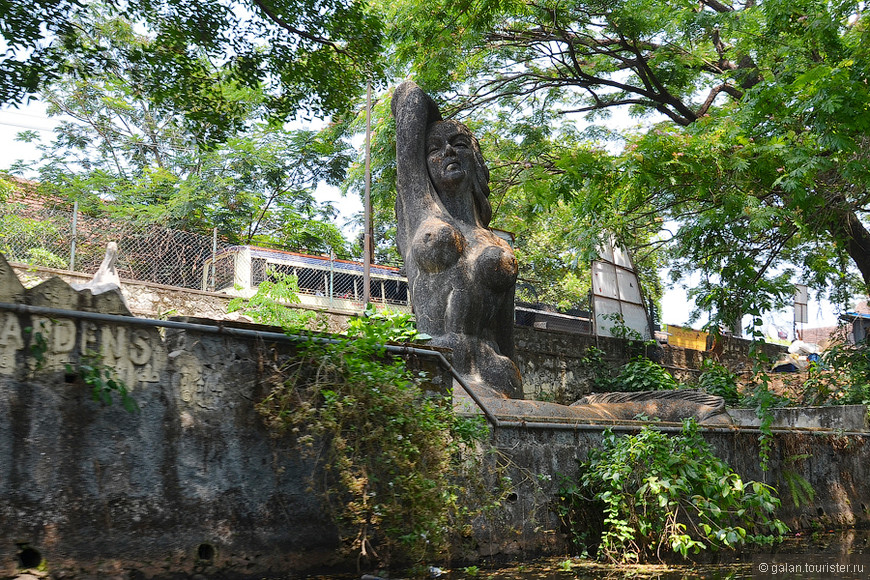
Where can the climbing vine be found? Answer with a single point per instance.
(640, 497)
(397, 467)
(103, 381)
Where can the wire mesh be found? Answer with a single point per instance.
(150, 253)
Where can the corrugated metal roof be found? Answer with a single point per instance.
(853, 315)
(321, 262)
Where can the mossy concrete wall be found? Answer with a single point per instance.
(834, 464)
(550, 361)
(554, 369)
(193, 483)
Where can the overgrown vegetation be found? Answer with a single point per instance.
(28, 240)
(640, 498)
(103, 381)
(642, 374)
(848, 380)
(715, 379)
(394, 455)
(269, 304)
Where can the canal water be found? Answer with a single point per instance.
(842, 554)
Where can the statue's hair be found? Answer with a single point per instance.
(480, 178)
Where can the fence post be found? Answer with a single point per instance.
(72, 245)
(368, 251)
(331, 278)
(212, 286)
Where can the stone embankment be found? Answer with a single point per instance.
(192, 485)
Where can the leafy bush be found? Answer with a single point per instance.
(642, 374)
(31, 241)
(391, 454)
(850, 371)
(270, 304)
(640, 497)
(43, 257)
(715, 379)
(639, 374)
(387, 324)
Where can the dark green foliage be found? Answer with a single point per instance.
(717, 380)
(400, 467)
(642, 374)
(127, 155)
(103, 381)
(751, 166)
(842, 377)
(308, 56)
(641, 497)
(851, 366)
(639, 374)
(273, 303)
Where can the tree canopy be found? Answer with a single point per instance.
(118, 144)
(307, 57)
(749, 163)
(752, 163)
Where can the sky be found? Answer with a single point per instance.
(676, 306)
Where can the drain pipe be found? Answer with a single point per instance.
(497, 423)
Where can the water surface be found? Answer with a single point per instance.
(828, 554)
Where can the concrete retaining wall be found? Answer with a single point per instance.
(551, 361)
(553, 368)
(193, 483)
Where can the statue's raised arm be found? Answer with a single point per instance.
(414, 112)
(460, 274)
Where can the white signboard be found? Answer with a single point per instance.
(801, 298)
(616, 293)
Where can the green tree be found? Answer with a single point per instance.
(754, 154)
(118, 144)
(529, 200)
(309, 56)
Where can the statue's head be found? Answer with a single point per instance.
(456, 165)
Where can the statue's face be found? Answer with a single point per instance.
(449, 156)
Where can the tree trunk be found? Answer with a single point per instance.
(845, 226)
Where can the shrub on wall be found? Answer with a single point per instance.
(391, 459)
(641, 497)
(715, 379)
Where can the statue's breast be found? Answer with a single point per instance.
(437, 245)
(495, 266)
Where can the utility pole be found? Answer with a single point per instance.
(73, 234)
(368, 250)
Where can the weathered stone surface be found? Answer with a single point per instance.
(551, 362)
(672, 406)
(833, 465)
(843, 417)
(461, 275)
(193, 484)
(55, 293)
(11, 289)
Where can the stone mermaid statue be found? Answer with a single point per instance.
(460, 274)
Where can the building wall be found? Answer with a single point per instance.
(550, 361)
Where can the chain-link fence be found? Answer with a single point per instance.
(150, 253)
(66, 240)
